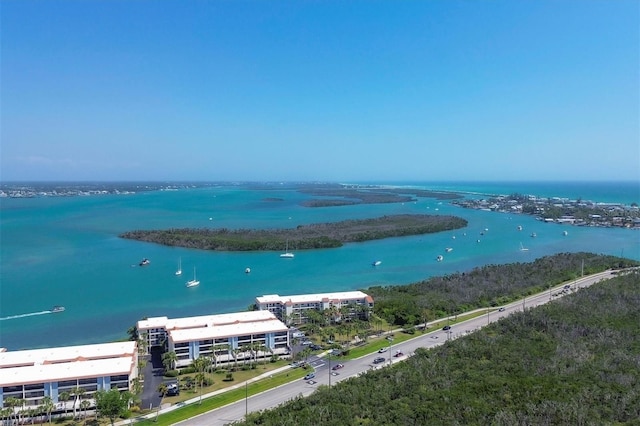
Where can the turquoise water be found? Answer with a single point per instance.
(66, 251)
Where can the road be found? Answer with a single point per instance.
(325, 375)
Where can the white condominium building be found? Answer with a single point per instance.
(30, 375)
(333, 306)
(223, 338)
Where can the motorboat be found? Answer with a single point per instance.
(376, 263)
(145, 262)
(57, 309)
(448, 249)
(440, 258)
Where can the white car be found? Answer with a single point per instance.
(383, 350)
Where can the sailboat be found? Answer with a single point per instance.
(179, 271)
(287, 254)
(194, 282)
(523, 248)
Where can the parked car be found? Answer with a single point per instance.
(173, 389)
(378, 360)
(310, 376)
(315, 347)
(337, 366)
(446, 327)
(501, 309)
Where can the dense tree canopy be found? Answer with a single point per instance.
(572, 361)
(489, 285)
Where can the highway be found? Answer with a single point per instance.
(326, 376)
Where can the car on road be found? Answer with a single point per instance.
(501, 309)
(398, 354)
(382, 350)
(310, 376)
(446, 327)
(378, 360)
(337, 366)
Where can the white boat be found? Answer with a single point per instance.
(179, 271)
(565, 233)
(247, 271)
(144, 262)
(439, 258)
(194, 282)
(56, 309)
(448, 249)
(533, 235)
(523, 248)
(519, 227)
(287, 254)
(376, 263)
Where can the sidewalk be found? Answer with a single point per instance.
(168, 408)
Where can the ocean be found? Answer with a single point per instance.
(66, 251)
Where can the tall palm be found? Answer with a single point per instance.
(64, 397)
(77, 393)
(48, 405)
(162, 390)
(84, 406)
(169, 359)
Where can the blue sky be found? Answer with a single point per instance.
(320, 90)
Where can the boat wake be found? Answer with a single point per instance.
(32, 314)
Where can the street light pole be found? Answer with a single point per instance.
(246, 399)
(329, 358)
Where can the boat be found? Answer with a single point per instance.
(565, 233)
(179, 271)
(247, 271)
(439, 258)
(144, 262)
(57, 309)
(448, 249)
(533, 235)
(519, 227)
(376, 263)
(523, 248)
(194, 282)
(287, 254)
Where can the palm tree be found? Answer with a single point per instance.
(200, 364)
(77, 394)
(64, 397)
(236, 352)
(169, 359)
(48, 406)
(84, 405)
(162, 390)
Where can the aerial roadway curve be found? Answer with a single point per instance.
(325, 375)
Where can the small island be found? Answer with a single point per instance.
(314, 236)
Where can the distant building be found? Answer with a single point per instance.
(336, 306)
(30, 375)
(224, 338)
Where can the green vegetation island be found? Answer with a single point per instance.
(314, 236)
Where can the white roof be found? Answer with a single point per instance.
(227, 330)
(64, 363)
(205, 321)
(318, 297)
